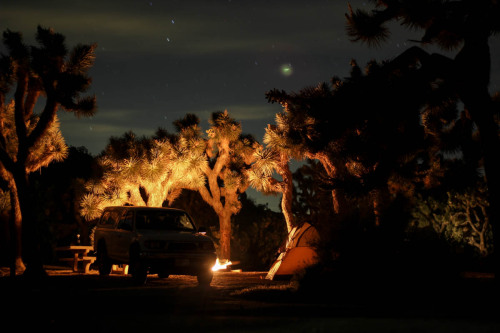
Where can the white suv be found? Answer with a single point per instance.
(153, 240)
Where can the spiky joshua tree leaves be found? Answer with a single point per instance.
(145, 172)
(29, 139)
(462, 25)
(274, 160)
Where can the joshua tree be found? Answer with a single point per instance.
(229, 155)
(308, 132)
(460, 217)
(275, 159)
(463, 25)
(371, 132)
(144, 172)
(29, 140)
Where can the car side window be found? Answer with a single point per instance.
(126, 222)
(106, 219)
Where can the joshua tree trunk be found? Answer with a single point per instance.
(30, 238)
(338, 198)
(16, 256)
(225, 236)
(224, 220)
(286, 200)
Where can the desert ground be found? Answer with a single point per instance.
(235, 302)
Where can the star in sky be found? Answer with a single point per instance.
(286, 69)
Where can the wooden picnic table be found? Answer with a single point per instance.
(80, 254)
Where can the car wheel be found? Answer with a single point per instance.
(205, 278)
(103, 263)
(137, 268)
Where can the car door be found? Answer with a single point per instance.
(124, 235)
(113, 236)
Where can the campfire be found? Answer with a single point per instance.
(221, 265)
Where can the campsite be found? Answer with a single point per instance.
(311, 166)
(299, 252)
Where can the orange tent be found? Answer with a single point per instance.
(299, 252)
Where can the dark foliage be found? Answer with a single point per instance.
(201, 212)
(467, 26)
(58, 189)
(258, 232)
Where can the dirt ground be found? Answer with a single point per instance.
(235, 302)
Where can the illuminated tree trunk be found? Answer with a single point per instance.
(263, 181)
(17, 264)
(224, 214)
(286, 200)
(225, 236)
(225, 203)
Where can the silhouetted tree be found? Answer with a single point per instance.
(305, 117)
(47, 70)
(311, 201)
(366, 131)
(463, 25)
(258, 233)
(51, 148)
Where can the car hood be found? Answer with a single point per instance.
(182, 236)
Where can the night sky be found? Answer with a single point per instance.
(158, 60)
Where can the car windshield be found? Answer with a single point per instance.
(163, 220)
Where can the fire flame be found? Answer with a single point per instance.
(221, 265)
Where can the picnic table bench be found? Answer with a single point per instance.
(79, 254)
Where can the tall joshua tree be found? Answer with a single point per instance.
(51, 148)
(463, 25)
(229, 155)
(47, 70)
(275, 159)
